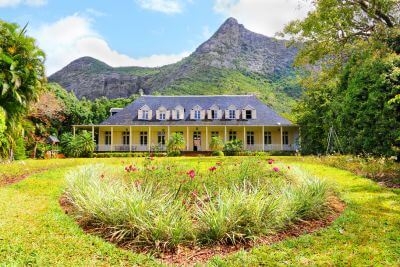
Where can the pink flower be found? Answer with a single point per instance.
(275, 169)
(191, 174)
(213, 168)
(270, 161)
(130, 168)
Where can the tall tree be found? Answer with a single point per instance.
(349, 50)
(21, 76)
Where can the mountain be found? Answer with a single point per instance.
(233, 61)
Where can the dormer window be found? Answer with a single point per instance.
(145, 114)
(163, 116)
(197, 115)
(178, 113)
(248, 114)
(232, 114)
(214, 114)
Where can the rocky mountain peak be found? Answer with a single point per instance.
(232, 48)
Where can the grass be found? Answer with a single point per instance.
(163, 203)
(34, 230)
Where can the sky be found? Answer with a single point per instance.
(147, 33)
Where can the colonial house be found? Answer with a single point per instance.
(147, 123)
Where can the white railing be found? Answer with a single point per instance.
(138, 147)
(121, 148)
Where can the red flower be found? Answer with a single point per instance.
(275, 169)
(270, 161)
(130, 168)
(213, 168)
(191, 174)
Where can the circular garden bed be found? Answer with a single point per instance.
(185, 211)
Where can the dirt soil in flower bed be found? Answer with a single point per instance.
(192, 255)
(8, 180)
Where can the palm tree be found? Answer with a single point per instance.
(21, 76)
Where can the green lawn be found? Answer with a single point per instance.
(34, 230)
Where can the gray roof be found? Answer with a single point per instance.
(129, 115)
(52, 139)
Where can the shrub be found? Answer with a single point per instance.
(218, 153)
(216, 144)
(175, 144)
(80, 145)
(233, 146)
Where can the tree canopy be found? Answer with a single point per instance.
(349, 52)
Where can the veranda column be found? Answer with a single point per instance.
(130, 138)
(149, 141)
(93, 133)
(169, 132)
(225, 135)
(263, 139)
(281, 138)
(244, 138)
(187, 138)
(207, 138)
(73, 129)
(112, 134)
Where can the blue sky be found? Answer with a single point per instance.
(138, 32)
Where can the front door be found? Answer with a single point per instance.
(196, 141)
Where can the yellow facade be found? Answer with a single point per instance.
(133, 142)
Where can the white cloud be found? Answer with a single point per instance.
(164, 6)
(261, 16)
(13, 3)
(72, 37)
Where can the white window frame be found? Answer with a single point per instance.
(144, 138)
(268, 138)
(214, 114)
(145, 114)
(285, 137)
(107, 138)
(232, 135)
(250, 138)
(163, 116)
(247, 115)
(125, 138)
(161, 137)
(197, 114)
(232, 114)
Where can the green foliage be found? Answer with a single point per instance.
(216, 144)
(21, 78)
(232, 203)
(279, 93)
(85, 111)
(218, 153)
(175, 144)
(19, 152)
(368, 226)
(383, 170)
(355, 79)
(233, 147)
(80, 145)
